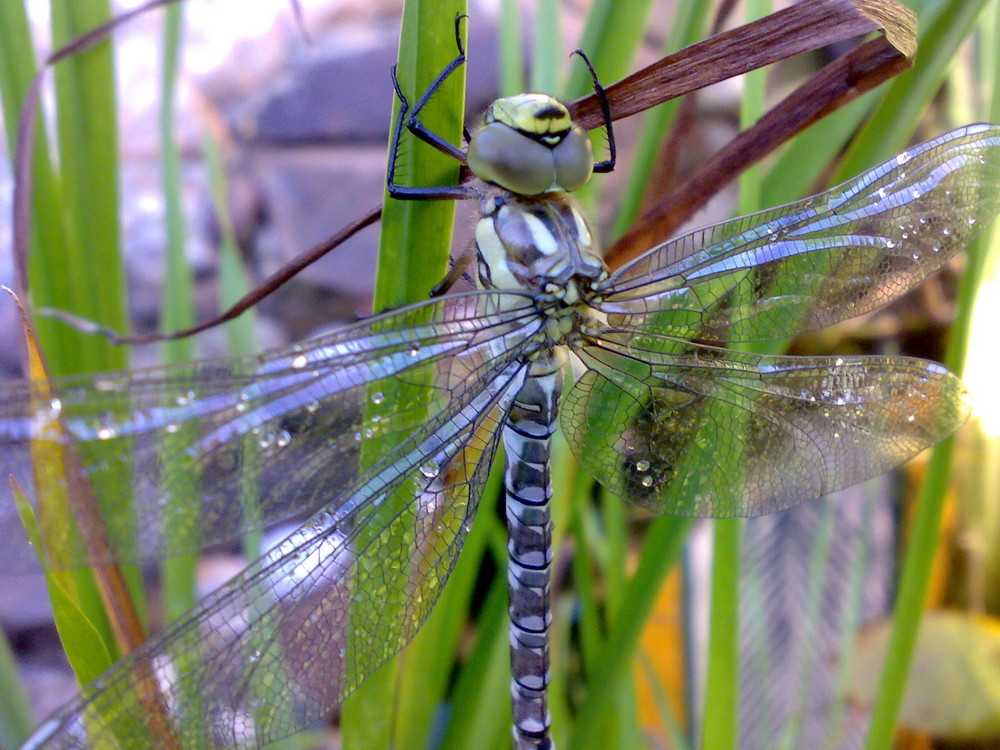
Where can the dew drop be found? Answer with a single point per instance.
(283, 439)
(647, 481)
(430, 469)
(911, 418)
(300, 361)
(105, 433)
(642, 465)
(171, 428)
(378, 397)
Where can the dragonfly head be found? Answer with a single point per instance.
(530, 145)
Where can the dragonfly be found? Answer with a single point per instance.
(378, 438)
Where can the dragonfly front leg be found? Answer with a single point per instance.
(527, 439)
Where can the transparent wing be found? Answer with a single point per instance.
(695, 430)
(215, 447)
(821, 260)
(284, 642)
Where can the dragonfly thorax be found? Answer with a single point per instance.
(537, 245)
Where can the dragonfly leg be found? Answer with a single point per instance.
(608, 164)
(455, 272)
(527, 438)
(409, 119)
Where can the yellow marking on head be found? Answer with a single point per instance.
(537, 114)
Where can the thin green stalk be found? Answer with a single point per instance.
(429, 659)
(481, 704)
(720, 725)
(919, 560)
(660, 552)
(74, 263)
(720, 722)
(178, 309)
(414, 247)
(584, 532)
(547, 64)
(612, 36)
(675, 733)
(88, 159)
(891, 126)
(802, 162)
(511, 59)
(689, 26)
(16, 718)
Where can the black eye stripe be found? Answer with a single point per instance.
(550, 112)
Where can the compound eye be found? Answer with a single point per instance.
(500, 154)
(574, 159)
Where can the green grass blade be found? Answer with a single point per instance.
(720, 724)
(889, 129)
(88, 157)
(547, 65)
(480, 715)
(689, 26)
(74, 263)
(511, 57)
(923, 541)
(424, 681)
(660, 551)
(611, 38)
(16, 718)
(802, 162)
(416, 235)
(177, 312)
(17, 69)
(413, 253)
